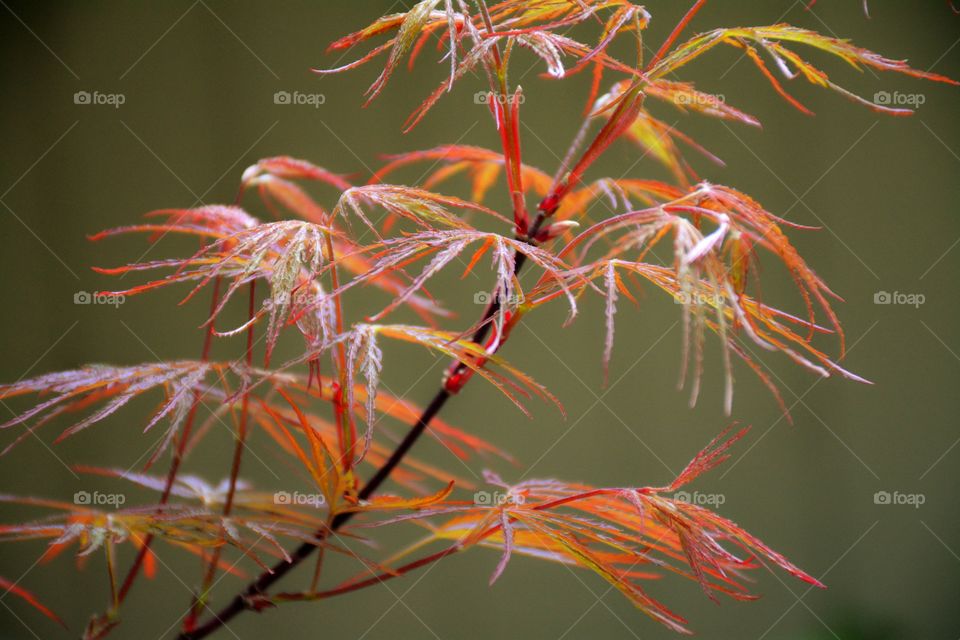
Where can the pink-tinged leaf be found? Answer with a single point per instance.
(74, 391)
(289, 254)
(396, 253)
(212, 222)
(611, 285)
(716, 233)
(467, 64)
(364, 356)
(426, 209)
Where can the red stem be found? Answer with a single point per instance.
(369, 582)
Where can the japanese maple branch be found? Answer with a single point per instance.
(243, 600)
(623, 115)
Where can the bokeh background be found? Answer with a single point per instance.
(198, 81)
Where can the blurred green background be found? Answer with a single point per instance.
(198, 80)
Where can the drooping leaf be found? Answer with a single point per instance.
(773, 41)
(509, 380)
(628, 536)
(112, 388)
(446, 246)
(426, 209)
(716, 233)
(289, 255)
(288, 168)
